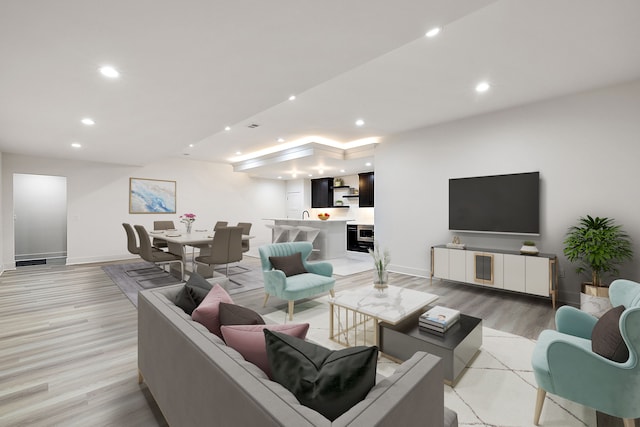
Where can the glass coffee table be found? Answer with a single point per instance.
(356, 314)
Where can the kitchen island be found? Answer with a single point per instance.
(331, 241)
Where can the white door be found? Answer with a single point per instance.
(40, 218)
(294, 204)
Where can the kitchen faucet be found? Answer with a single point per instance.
(307, 212)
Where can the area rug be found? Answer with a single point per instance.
(137, 276)
(497, 388)
(134, 277)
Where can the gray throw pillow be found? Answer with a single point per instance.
(190, 297)
(232, 314)
(329, 382)
(289, 265)
(197, 280)
(606, 339)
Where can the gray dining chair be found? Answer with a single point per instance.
(246, 229)
(162, 225)
(134, 248)
(219, 225)
(226, 247)
(160, 258)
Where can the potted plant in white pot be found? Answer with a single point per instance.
(599, 246)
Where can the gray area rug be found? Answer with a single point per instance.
(137, 276)
(134, 277)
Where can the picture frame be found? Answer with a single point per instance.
(152, 196)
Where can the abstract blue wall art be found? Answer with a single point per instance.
(151, 196)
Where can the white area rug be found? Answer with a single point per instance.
(497, 389)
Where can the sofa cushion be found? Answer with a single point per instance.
(232, 314)
(249, 340)
(328, 381)
(290, 265)
(606, 339)
(190, 297)
(208, 312)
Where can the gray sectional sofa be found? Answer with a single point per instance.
(197, 380)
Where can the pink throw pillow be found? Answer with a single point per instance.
(208, 312)
(248, 340)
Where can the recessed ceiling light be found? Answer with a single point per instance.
(238, 153)
(368, 164)
(433, 32)
(482, 87)
(280, 139)
(109, 71)
(227, 128)
(310, 175)
(320, 171)
(342, 171)
(88, 121)
(292, 97)
(76, 145)
(279, 177)
(293, 175)
(191, 145)
(359, 122)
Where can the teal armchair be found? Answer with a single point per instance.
(564, 364)
(317, 280)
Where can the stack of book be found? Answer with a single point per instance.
(438, 319)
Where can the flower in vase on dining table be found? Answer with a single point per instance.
(188, 219)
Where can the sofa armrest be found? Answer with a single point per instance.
(571, 321)
(274, 281)
(321, 268)
(413, 395)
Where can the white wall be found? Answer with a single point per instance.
(585, 146)
(98, 201)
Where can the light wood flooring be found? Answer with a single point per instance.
(68, 340)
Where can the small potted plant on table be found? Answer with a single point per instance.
(380, 261)
(599, 246)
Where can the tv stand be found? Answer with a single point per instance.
(497, 269)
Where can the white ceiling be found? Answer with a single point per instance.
(190, 68)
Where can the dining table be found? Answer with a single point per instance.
(178, 240)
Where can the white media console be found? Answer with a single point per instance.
(498, 269)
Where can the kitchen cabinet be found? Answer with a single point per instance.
(322, 193)
(365, 190)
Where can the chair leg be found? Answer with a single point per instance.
(266, 297)
(539, 402)
(290, 310)
(629, 422)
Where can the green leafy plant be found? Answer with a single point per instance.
(598, 245)
(529, 243)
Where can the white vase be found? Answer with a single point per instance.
(529, 250)
(594, 305)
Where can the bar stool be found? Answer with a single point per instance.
(278, 234)
(292, 232)
(310, 234)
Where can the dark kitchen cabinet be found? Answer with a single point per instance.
(365, 184)
(322, 193)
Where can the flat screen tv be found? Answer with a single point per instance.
(496, 204)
